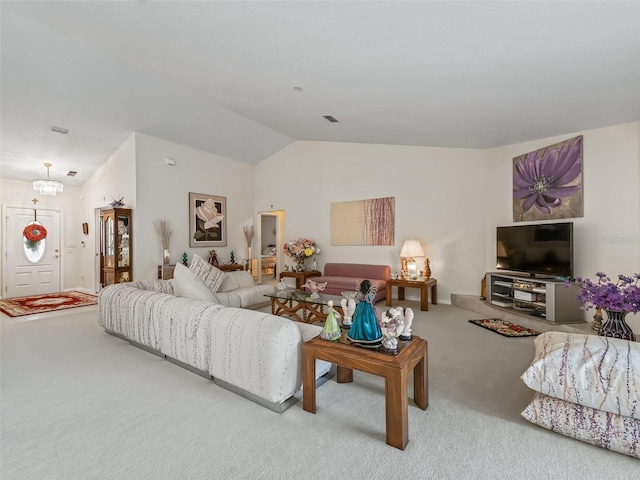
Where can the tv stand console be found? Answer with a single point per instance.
(547, 299)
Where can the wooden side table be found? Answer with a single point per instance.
(423, 285)
(230, 267)
(395, 369)
(301, 277)
(165, 272)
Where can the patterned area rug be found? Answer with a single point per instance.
(505, 328)
(19, 306)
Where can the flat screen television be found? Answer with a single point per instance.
(543, 249)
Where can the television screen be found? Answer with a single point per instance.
(544, 249)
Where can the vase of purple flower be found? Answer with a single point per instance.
(616, 327)
(616, 299)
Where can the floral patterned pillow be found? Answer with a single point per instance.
(210, 275)
(597, 372)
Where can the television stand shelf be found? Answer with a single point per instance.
(547, 299)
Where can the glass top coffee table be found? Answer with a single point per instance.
(299, 305)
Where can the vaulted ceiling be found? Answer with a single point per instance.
(245, 79)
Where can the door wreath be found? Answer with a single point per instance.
(34, 232)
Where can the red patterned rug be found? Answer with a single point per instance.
(19, 306)
(505, 328)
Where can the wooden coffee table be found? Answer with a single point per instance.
(299, 305)
(412, 355)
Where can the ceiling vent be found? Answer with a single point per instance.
(330, 118)
(72, 173)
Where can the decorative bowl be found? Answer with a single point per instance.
(314, 288)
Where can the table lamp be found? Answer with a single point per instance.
(411, 248)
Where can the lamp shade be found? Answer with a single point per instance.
(412, 248)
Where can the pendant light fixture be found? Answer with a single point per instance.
(48, 187)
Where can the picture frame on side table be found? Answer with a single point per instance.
(207, 220)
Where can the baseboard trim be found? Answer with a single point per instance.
(81, 289)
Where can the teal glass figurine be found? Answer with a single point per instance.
(185, 259)
(365, 330)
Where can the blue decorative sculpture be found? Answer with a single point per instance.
(365, 330)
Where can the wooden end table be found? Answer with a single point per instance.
(301, 277)
(230, 267)
(412, 355)
(423, 285)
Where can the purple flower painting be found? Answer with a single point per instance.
(547, 183)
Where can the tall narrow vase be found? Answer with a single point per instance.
(616, 327)
(165, 256)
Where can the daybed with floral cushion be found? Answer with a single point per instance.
(255, 354)
(588, 388)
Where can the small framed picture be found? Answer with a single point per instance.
(207, 220)
(85, 228)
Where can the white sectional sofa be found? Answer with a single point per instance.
(255, 354)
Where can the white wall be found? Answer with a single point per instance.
(163, 194)
(115, 179)
(607, 238)
(450, 199)
(440, 194)
(20, 193)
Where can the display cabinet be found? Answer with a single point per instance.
(117, 229)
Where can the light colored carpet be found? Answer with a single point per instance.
(80, 404)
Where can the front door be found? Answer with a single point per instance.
(32, 268)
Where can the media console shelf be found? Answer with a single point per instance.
(542, 298)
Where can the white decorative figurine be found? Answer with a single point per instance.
(391, 324)
(407, 320)
(348, 309)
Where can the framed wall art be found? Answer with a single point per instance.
(363, 222)
(547, 183)
(207, 220)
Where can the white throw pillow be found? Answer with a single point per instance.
(187, 284)
(210, 275)
(593, 371)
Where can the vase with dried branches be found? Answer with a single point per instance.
(248, 235)
(164, 232)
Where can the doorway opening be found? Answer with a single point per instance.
(270, 232)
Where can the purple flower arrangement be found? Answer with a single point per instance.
(622, 296)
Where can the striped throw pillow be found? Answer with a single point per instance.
(210, 275)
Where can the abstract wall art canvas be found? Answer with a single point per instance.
(547, 183)
(363, 222)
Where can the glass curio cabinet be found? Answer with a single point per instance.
(116, 247)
